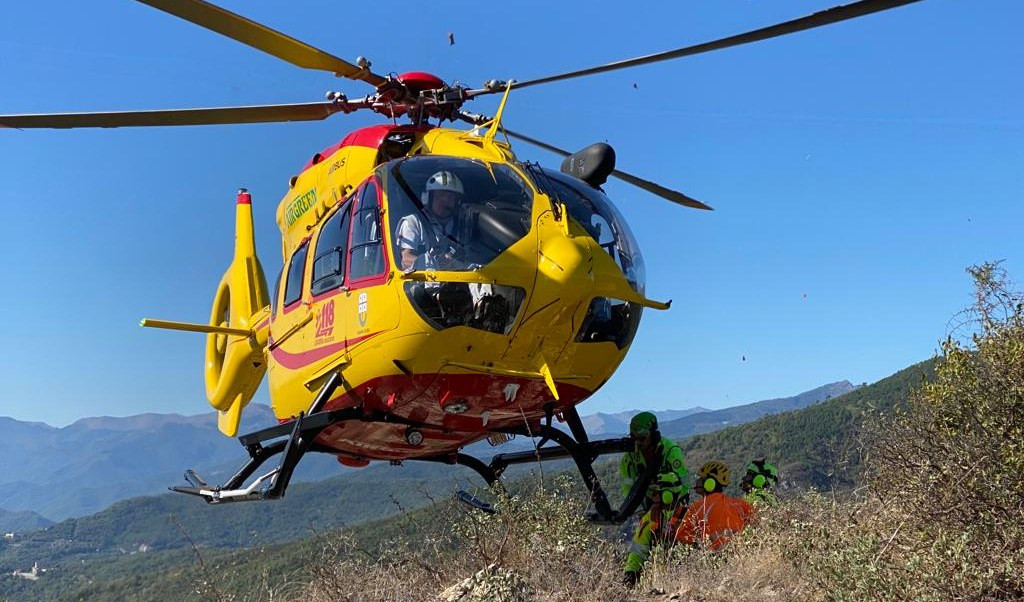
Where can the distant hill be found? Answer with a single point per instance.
(707, 421)
(354, 497)
(21, 521)
(156, 523)
(168, 521)
(815, 446)
(683, 423)
(617, 424)
(86, 466)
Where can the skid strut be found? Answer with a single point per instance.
(299, 436)
(270, 486)
(581, 450)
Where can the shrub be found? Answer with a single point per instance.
(945, 518)
(537, 546)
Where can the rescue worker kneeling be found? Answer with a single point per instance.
(715, 517)
(665, 495)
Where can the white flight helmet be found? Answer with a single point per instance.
(442, 180)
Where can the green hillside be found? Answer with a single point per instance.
(147, 525)
(156, 524)
(22, 521)
(151, 575)
(813, 447)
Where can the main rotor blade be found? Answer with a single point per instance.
(665, 193)
(262, 38)
(818, 19)
(313, 111)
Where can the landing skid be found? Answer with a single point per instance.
(474, 502)
(292, 440)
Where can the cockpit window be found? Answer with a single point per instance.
(367, 243)
(454, 214)
(593, 212)
(296, 270)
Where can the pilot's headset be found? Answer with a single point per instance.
(712, 477)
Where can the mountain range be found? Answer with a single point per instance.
(22, 521)
(618, 423)
(88, 465)
(708, 421)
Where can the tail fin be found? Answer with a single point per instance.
(235, 365)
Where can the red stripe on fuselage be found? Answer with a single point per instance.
(295, 361)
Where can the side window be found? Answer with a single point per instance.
(293, 286)
(277, 291)
(367, 249)
(331, 248)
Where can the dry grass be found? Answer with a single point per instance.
(537, 547)
(769, 561)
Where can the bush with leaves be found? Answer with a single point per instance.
(941, 513)
(945, 518)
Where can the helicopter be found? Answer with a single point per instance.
(405, 326)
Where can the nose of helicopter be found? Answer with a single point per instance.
(565, 261)
(563, 287)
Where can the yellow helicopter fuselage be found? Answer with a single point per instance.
(459, 382)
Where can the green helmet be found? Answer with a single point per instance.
(643, 424)
(761, 474)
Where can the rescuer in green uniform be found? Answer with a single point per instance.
(757, 484)
(666, 492)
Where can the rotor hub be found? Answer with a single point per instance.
(419, 81)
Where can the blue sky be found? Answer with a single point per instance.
(856, 171)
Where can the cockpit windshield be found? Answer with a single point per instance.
(592, 210)
(455, 214)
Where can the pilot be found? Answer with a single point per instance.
(427, 243)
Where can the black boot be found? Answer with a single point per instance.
(630, 579)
